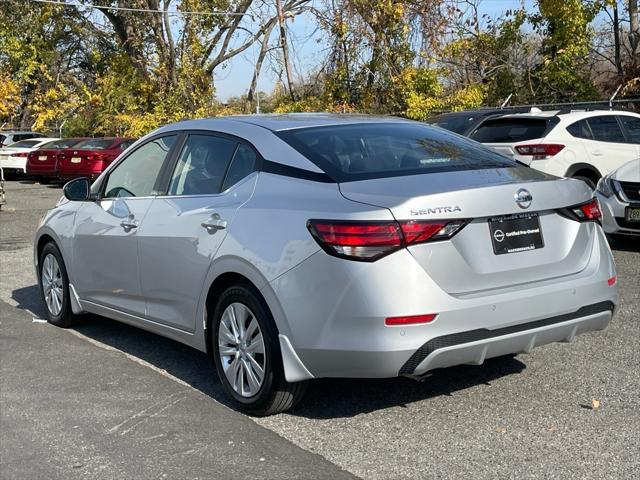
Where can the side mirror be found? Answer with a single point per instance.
(77, 190)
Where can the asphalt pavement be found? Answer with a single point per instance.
(105, 400)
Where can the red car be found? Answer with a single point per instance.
(90, 157)
(43, 162)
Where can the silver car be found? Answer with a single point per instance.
(294, 247)
(619, 196)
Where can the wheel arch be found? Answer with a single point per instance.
(232, 270)
(584, 169)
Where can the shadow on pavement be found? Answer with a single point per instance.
(325, 398)
(624, 243)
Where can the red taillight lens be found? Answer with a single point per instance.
(589, 211)
(410, 320)
(369, 241)
(542, 150)
(21, 154)
(612, 281)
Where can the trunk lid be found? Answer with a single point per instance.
(467, 263)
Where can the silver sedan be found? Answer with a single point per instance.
(294, 247)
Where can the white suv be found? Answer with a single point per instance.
(578, 144)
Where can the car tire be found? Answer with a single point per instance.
(54, 287)
(233, 347)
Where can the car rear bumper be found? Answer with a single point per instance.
(335, 310)
(14, 163)
(41, 170)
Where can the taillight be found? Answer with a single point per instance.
(540, 151)
(21, 154)
(368, 241)
(585, 212)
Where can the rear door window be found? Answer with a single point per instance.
(509, 130)
(202, 165)
(25, 144)
(361, 151)
(632, 126)
(243, 163)
(606, 129)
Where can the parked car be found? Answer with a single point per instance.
(465, 122)
(619, 195)
(585, 145)
(90, 157)
(13, 159)
(294, 247)
(9, 137)
(43, 162)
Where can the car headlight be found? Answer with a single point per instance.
(604, 186)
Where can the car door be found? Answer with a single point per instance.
(105, 244)
(609, 148)
(184, 228)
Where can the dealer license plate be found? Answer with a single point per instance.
(515, 233)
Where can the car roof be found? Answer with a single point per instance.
(287, 121)
(567, 115)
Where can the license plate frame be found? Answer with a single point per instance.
(632, 215)
(42, 157)
(515, 233)
(76, 159)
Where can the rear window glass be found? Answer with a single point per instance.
(580, 129)
(507, 130)
(95, 144)
(2, 137)
(64, 143)
(357, 152)
(454, 123)
(25, 144)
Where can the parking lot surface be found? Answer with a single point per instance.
(105, 400)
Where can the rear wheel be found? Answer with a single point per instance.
(54, 287)
(247, 354)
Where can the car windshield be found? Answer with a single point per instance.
(63, 143)
(506, 130)
(25, 143)
(95, 144)
(362, 151)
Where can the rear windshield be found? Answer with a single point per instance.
(64, 143)
(455, 123)
(507, 130)
(95, 144)
(25, 143)
(358, 152)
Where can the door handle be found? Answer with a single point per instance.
(214, 223)
(129, 223)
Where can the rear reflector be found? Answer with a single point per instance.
(612, 281)
(410, 320)
(369, 241)
(541, 150)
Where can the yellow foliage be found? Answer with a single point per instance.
(9, 96)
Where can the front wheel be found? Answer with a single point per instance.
(247, 354)
(54, 287)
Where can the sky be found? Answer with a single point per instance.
(234, 79)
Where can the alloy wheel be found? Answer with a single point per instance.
(52, 284)
(241, 349)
